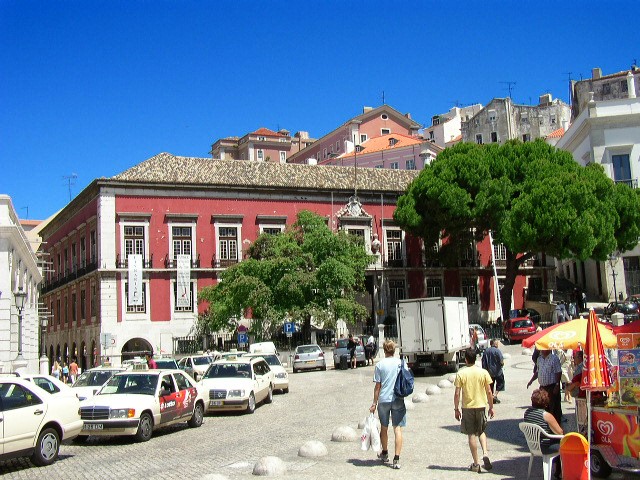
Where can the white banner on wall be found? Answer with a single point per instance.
(183, 281)
(134, 295)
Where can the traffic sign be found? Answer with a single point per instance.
(243, 339)
(242, 329)
(289, 328)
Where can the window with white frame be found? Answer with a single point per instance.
(363, 137)
(175, 299)
(411, 164)
(434, 287)
(324, 153)
(228, 244)
(136, 308)
(134, 243)
(394, 166)
(74, 257)
(283, 157)
(272, 230)
(181, 241)
(499, 251)
(396, 291)
(470, 290)
(83, 251)
(385, 131)
(394, 245)
(338, 146)
(94, 248)
(260, 154)
(94, 300)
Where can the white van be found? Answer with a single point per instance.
(263, 347)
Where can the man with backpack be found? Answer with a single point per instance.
(388, 403)
(474, 383)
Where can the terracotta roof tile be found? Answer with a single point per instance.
(559, 133)
(378, 144)
(166, 168)
(266, 131)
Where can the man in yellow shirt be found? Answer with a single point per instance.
(475, 384)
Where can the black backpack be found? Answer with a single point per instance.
(404, 381)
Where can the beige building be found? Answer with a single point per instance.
(263, 145)
(446, 128)
(502, 120)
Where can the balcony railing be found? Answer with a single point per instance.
(632, 182)
(173, 263)
(223, 262)
(395, 262)
(124, 263)
(67, 276)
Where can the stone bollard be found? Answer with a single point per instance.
(312, 448)
(344, 434)
(433, 390)
(451, 377)
(445, 384)
(420, 398)
(269, 467)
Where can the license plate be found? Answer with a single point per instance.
(93, 426)
(310, 361)
(215, 403)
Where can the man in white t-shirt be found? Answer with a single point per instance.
(387, 403)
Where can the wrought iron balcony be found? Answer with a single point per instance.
(224, 262)
(124, 263)
(173, 263)
(632, 182)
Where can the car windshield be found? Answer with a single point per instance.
(522, 324)
(202, 360)
(308, 349)
(229, 370)
(140, 384)
(94, 379)
(272, 360)
(342, 343)
(166, 364)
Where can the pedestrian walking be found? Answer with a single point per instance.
(474, 385)
(65, 372)
(584, 302)
(388, 404)
(492, 362)
(549, 374)
(56, 370)
(351, 346)
(73, 371)
(370, 348)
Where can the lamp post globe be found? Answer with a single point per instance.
(20, 298)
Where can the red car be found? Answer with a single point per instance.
(517, 329)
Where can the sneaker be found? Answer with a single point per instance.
(384, 457)
(396, 464)
(474, 467)
(487, 463)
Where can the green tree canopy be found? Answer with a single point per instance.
(533, 197)
(306, 271)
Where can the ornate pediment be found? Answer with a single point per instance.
(353, 209)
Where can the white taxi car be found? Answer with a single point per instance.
(49, 384)
(136, 402)
(34, 422)
(238, 384)
(196, 365)
(281, 377)
(92, 380)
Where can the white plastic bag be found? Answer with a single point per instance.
(365, 438)
(371, 435)
(374, 433)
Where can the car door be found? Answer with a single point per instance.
(168, 394)
(258, 379)
(46, 384)
(22, 414)
(186, 396)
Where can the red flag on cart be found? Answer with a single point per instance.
(595, 373)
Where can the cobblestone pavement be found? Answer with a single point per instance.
(228, 445)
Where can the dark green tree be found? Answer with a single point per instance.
(533, 197)
(306, 271)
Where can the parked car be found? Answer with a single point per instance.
(196, 365)
(341, 349)
(92, 380)
(166, 363)
(517, 329)
(309, 357)
(238, 384)
(630, 310)
(531, 313)
(281, 377)
(138, 402)
(483, 339)
(35, 422)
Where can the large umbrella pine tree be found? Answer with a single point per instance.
(533, 197)
(306, 271)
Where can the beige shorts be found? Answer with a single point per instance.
(474, 421)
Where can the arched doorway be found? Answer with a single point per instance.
(136, 347)
(65, 354)
(74, 353)
(94, 354)
(83, 357)
(58, 357)
(51, 357)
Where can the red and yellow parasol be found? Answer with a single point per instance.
(571, 334)
(595, 373)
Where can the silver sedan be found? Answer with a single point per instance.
(308, 357)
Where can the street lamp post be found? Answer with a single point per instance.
(613, 258)
(20, 297)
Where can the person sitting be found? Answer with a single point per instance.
(538, 415)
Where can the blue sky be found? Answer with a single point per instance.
(91, 88)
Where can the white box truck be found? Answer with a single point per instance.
(433, 331)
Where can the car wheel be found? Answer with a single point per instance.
(295, 370)
(285, 390)
(269, 398)
(198, 415)
(599, 467)
(251, 405)
(145, 428)
(81, 439)
(324, 367)
(47, 448)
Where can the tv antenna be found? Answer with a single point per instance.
(27, 209)
(71, 181)
(383, 96)
(568, 74)
(510, 86)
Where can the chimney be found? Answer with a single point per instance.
(545, 99)
(596, 73)
(408, 115)
(366, 109)
(631, 85)
(312, 161)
